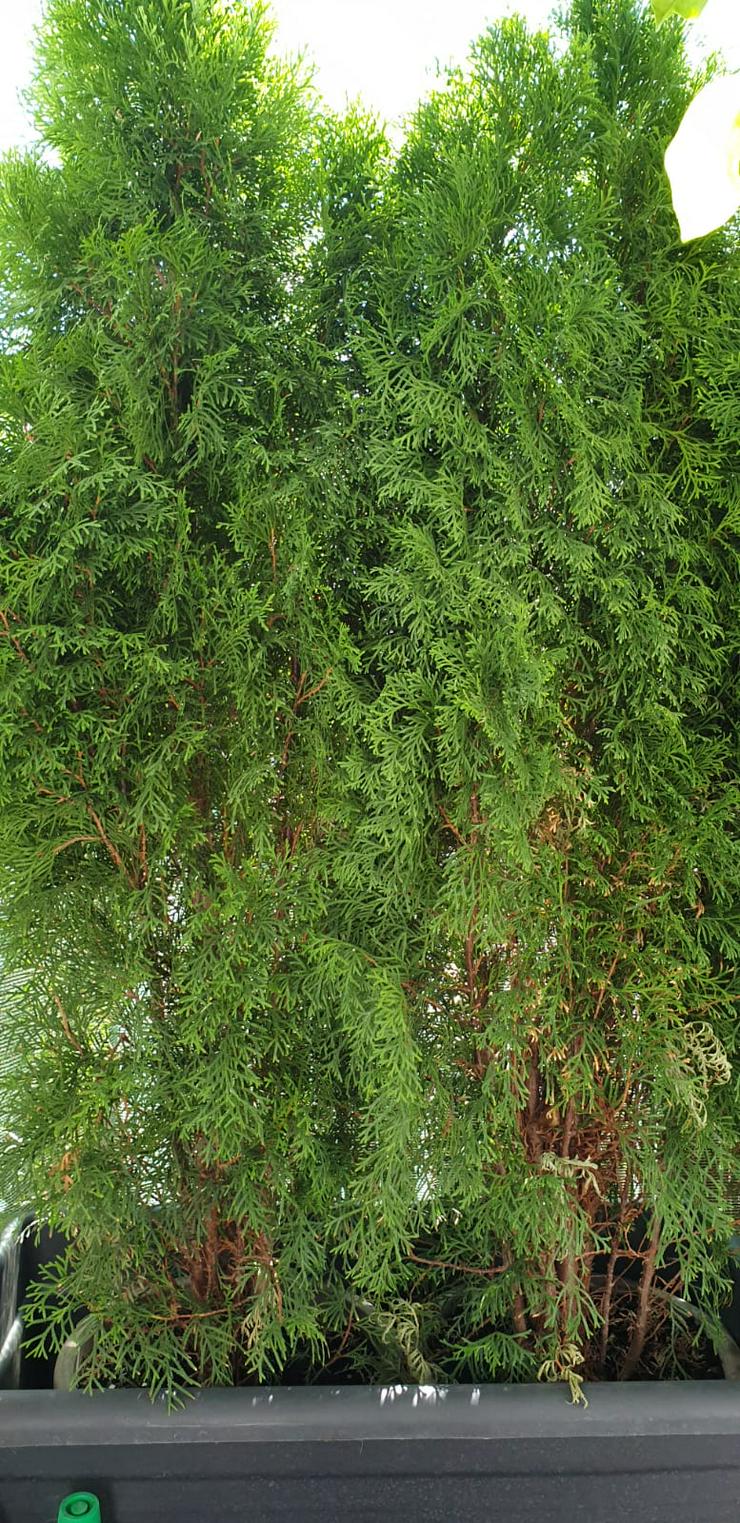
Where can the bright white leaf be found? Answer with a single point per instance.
(689, 9)
(703, 160)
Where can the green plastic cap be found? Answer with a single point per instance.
(81, 1505)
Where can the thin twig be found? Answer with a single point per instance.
(304, 697)
(605, 986)
(67, 1029)
(343, 1344)
(110, 848)
(469, 950)
(73, 841)
(189, 1316)
(14, 642)
(452, 828)
(459, 1268)
(143, 859)
(533, 1105)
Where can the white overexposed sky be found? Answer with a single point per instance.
(384, 51)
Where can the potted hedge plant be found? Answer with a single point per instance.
(369, 795)
(552, 625)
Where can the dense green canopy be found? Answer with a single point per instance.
(368, 775)
(551, 434)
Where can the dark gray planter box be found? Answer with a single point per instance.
(649, 1453)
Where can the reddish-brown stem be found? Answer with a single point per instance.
(114, 855)
(14, 642)
(469, 950)
(73, 841)
(188, 1316)
(567, 1267)
(212, 1252)
(264, 1257)
(343, 1344)
(475, 812)
(487, 1274)
(452, 828)
(605, 986)
(518, 1312)
(520, 1320)
(67, 1029)
(533, 1106)
(90, 301)
(570, 1114)
(639, 1334)
(606, 1299)
(143, 860)
(304, 697)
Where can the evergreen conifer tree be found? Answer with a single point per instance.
(551, 428)
(172, 706)
(368, 629)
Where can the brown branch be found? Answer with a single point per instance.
(282, 764)
(304, 697)
(345, 1337)
(570, 1114)
(487, 1274)
(110, 848)
(566, 1275)
(105, 312)
(570, 1111)
(452, 828)
(605, 985)
(189, 1316)
(263, 1256)
(533, 1105)
(77, 776)
(143, 859)
(211, 1252)
(625, 1094)
(301, 697)
(90, 300)
(67, 1029)
(639, 1334)
(567, 1266)
(518, 1311)
(520, 1319)
(343, 1344)
(15, 643)
(291, 838)
(469, 949)
(73, 841)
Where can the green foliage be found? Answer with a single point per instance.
(368, 705)
(175, 670)
(548, 426)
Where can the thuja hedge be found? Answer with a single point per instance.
(367, 723)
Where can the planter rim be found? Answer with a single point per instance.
(370, 1414)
